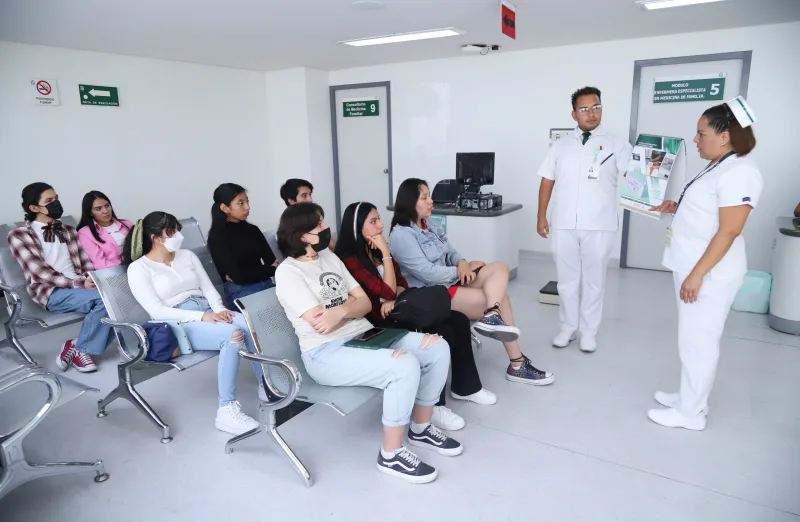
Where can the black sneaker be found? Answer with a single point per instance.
(493, 326)
(434, 439)
(407, 466)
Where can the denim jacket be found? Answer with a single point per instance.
(425, 256)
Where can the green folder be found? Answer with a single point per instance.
(384, 339)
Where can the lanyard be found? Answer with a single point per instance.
(705, 171)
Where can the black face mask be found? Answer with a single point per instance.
(324, 240)
(54, 209)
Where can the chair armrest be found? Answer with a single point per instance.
(22, 376)
(285, 365)
(15, 302)
(144, 346)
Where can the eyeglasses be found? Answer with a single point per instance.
(593, 108)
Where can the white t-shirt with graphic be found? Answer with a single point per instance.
(325, 282)
(116, 234)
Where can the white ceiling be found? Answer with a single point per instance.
(278, 34)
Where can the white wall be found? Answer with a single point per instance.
(180, 131)
(298, 136)
(506, 102)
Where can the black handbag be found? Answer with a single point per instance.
(422, 307)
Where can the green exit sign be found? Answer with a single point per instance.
(99, 95)
(361, 107)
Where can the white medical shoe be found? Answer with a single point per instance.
(563, 339)
(670, 400)
(672, 418)
(482, 396)
(231, 419)
(588, 344)
(446, 419)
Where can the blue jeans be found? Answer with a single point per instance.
(217, 337)
(234, 291)
(95, 336)
(416, 377)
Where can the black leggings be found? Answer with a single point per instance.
(456, 331)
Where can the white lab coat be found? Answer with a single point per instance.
(584, 221)
(735, 181)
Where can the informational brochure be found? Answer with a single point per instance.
(653, 162)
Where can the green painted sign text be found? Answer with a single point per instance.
(360, 108)
(99, 95)
(676, 91)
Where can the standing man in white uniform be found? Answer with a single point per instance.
(583, 168)
(706, 254)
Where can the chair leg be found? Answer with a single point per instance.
(17, 470)
(11, 340)
(125, 390)
(240, 438)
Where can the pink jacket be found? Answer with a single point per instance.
(103, 255)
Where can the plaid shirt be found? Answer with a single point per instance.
(373, 285)
(40, 278)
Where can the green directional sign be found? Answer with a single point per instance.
(689, 89)
(363, 107)
(99, 95)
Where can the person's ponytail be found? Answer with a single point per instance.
(224, 194)
(743, 141)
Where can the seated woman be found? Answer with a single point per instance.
(327, 308)
(101, 234)
(171, 285)
(365, 253)
(56, 274)
(478, 290)
(240, 251)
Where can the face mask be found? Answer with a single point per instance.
(54, 209)
(324, 240)
(174, 243)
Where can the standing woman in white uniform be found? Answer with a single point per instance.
(583, 168)
(705, 251)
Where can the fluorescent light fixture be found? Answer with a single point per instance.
(404, 37)
(664, 4)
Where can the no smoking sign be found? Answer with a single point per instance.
(45, 92)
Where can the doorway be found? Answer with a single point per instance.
(361, 121)
(643, 237)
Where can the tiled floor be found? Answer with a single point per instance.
(581, 449)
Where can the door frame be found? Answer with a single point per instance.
(335, 137)
(745, 56)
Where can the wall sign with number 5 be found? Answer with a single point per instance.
(359, 107)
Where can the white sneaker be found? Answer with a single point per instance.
(672, 418)
(483, 396)
(262, 393)
(670, 400)
(444, 418)
(588, 344)
(231, 419)
(563, 339)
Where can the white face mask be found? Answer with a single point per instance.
(174, 243)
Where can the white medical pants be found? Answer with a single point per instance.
(700, 326)
(581, 259)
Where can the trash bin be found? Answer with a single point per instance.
(753, 297)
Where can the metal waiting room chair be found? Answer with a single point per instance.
(125, 315)
(26, 317)
(278, 352)
(194, 240)
(17, 421)
(272, 239)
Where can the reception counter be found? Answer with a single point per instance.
(482, 235)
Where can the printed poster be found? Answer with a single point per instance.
(652, 164)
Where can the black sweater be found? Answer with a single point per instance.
(241, 252)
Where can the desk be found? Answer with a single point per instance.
(784, 303)
(483, 235)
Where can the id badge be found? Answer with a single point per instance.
(668, 240)
(594, 171)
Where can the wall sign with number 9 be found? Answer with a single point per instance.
(371, 107)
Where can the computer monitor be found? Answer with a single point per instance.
(475, 168)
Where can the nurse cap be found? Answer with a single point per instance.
(742, 111)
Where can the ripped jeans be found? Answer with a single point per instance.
(416, 377)
(219, 337)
